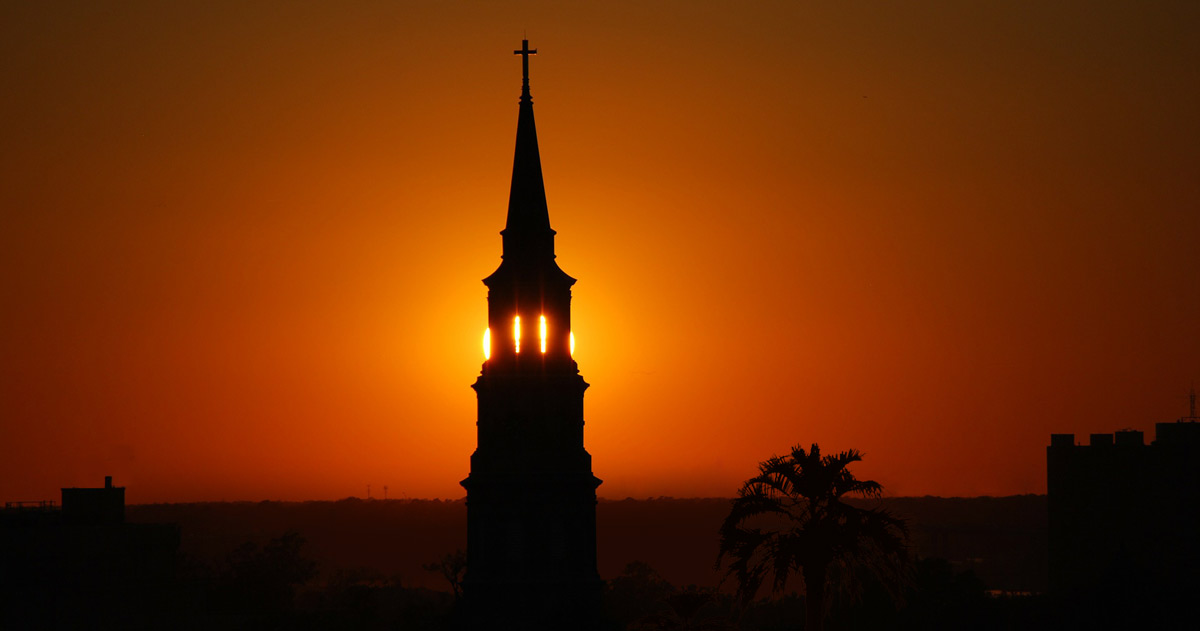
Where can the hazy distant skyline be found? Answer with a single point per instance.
(242, 242)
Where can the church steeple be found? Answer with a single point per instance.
(531, 494)
(527, 233)
(529, 296)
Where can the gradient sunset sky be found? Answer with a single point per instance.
(241, 243)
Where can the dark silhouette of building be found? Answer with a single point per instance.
(94, 506)
(80, 565)
(1124, 516)
(531, 495)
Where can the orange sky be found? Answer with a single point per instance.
(241, 246)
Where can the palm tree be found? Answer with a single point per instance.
(791, 518)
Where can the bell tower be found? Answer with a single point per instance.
(531, 495)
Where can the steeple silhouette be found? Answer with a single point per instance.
(528, 274)
(527, 235)
(531, 495)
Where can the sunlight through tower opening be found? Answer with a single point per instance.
(517, 332)
(542, 332)
(487, 344)
(572, 336)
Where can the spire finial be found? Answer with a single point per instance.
(525, 52)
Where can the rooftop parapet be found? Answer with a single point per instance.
(1062, 440)
(1130, 438)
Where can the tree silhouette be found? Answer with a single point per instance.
(265, 577)
(791, 517)
(452, 567)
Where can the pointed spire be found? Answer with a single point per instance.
(527, 232)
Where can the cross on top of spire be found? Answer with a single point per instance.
(525, 52)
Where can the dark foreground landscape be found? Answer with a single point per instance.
(392, 564)
(1000, 540)
(977, 563)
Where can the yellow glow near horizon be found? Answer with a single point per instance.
(572, 336)
(517, 332)
(542, 332)
(487, 344)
